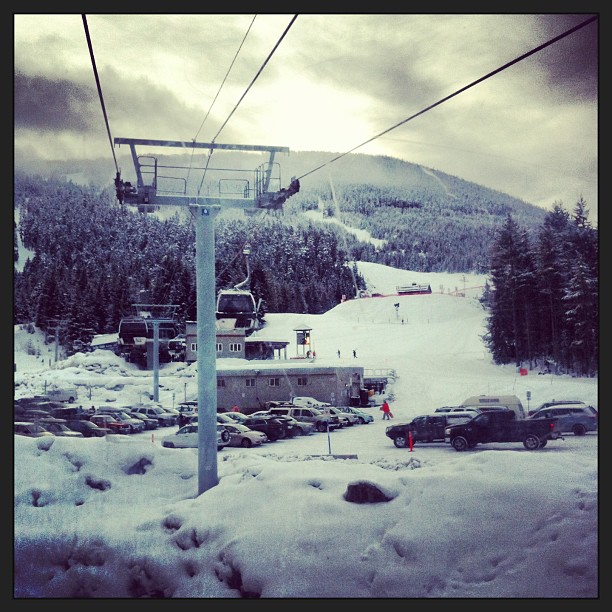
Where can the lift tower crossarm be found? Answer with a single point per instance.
(154, 194)
(198, 145)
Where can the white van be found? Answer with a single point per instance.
(63, 395)
(490, 401)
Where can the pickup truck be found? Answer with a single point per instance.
(425, 428)
(502, 426)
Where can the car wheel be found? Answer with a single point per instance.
(579, 429)
(460, 443)
(225, 435)
(531, 442)
(321, 426)
(400, 441)
(246, 443)
(168, 444)
(543, 443)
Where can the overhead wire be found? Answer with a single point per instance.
(461, 90)
(213, 103)
(256, 76)
(247, 91)
(93, 62)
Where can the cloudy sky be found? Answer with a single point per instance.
(325, 83)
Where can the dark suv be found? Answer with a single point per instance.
(570, 417)
(273, 428)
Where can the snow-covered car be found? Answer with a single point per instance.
(59, 427)
(241, 435)
(23, 428)
(187, 437)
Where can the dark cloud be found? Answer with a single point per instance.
(570, 66)
(52, 105)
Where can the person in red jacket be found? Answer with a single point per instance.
(386, 410)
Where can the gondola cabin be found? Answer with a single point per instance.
(136, 333)
(239, 307)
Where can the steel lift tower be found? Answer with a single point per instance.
(158, 185)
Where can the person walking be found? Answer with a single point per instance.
(386, 410)
(354, 353)
(338, 353)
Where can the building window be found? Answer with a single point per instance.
(302, 381)
(194, 346)
(235, 347)
(220, 382)
(250, 382)
(219, 347)
(274, 382)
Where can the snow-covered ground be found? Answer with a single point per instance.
(121, 517)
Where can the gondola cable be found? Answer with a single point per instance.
(456, 93)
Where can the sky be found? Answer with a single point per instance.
(319, 82)
(120, 517)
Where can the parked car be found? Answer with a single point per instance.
(72, 412)
(58, 427)
(241, 435)
(273, 428)
(87, 428)
(149, 423)
(302, 428)
(556, 403)
(342, 418)
(288, 424)
(570, 417)
(164, 418)
(310, 415)
(110, 422)
(351, 418)
(31, 430)
(474, 411)
(224, 418)
(237, 417)
(187, 437)
(363, 417)
(135, 425)
(31, 415)
(186, 411)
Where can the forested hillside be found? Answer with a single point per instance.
(93, 255)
